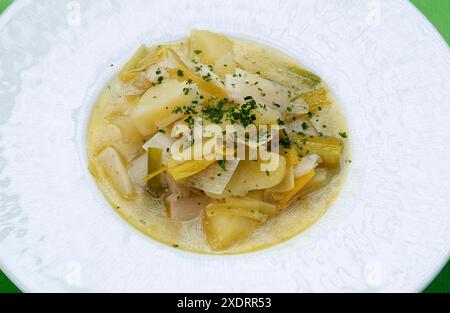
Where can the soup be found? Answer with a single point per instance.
(217, 145)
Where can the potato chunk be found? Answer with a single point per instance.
(222, 231)
(249, 176)
(231, 208)
(208, 46)
(159, 102)
(115, 170)
(288, 182)
(141, 59)
(225, 65)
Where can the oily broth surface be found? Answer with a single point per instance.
(107, 127)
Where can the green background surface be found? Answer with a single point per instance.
(438, 12)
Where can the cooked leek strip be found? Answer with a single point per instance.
(182, 73)
(154, 163)
(321, 179)
(155, 173)
(307, 164)
(316, 99)
(299, 184)
(291, 156)
(133, 99)
(298, 106)
(284, 72)
(329, 149)
(161, 141)
(188, 168)
(305, 73)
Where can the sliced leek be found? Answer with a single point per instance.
(299, 184)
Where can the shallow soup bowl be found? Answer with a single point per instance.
(388, 230)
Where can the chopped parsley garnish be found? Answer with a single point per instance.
(244, 114)
(285, 142)
(180, 73)
(215, 112)
(280, 122)
(198, 51)
(222, 164)
(207, 77)
(305, 125)
(177, 110)
(343, 134)
(189, 120)
(162, 131)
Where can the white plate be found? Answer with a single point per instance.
(389, 229)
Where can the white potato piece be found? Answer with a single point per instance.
(299, 106)
(205, 72)
(137, 170)
(222, 231)
(209, 46)
(250, 176)
(215, 209)
(159, 102)
(307, 164)
(288, 182)
(243, 84)
(267, 116)
(161, 141)
(225, 65)
(214, 178)
(114, 168)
